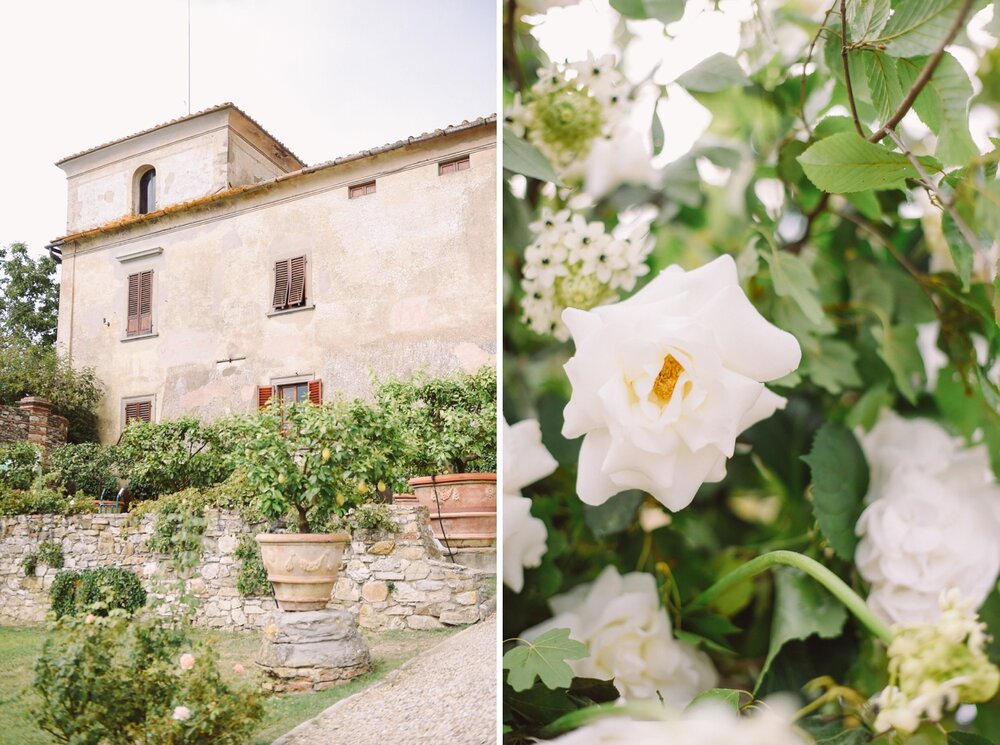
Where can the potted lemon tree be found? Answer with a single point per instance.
(309, 465)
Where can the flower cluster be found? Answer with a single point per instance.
(525, 461)
(703, 724)
(935, 667)
(630, 639)
(570, 107)
(932, 519)
(575, 264)
(665, 381)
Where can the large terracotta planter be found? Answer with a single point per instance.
(463, 507)
(302, 567)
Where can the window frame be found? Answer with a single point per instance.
(461, 163)
(139, 194)
(307, 286)
(133, 400)
(356, 191)
(139, 333)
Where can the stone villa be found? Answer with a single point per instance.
(206, 268)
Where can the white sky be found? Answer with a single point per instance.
(326, 77)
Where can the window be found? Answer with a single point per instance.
(297, 392)
(361, 189)
(147, 192)
(140, 408)
(289, 283)
(453, 166)
(140, 304)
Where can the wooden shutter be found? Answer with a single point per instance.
(264, 394)
(139, 410)
(361, 190)
(297, 281)
(133, 307)
(462, 164)
(280, 299)
(146, 303)
(316, 391)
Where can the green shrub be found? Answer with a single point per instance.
(43, 501)
(251, 577)
(178, 527)
(50, 553)
(87, 467)
(116, 682)
(29, 563)
(366, 517)
(96, 591)
(450, 423)
(20, 465)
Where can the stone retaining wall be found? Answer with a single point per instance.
(391, 581)
(32, 420)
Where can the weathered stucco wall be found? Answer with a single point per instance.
(390, 580)
(397, 281)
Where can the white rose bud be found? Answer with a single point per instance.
(665, 381)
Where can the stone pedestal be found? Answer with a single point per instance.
(311, 650)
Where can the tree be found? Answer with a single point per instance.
(29, 296)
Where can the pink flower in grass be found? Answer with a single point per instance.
(182, 713)
(187, 661)
(238, 668)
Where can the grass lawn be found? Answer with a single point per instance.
(19, 647)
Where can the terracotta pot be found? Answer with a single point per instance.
(302, 567)
(463, 507)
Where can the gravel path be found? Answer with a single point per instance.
(445, 696)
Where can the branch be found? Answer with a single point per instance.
(847, 67)
(809, 56)
(510, 52)
(925, 74)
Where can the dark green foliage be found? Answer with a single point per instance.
(86, 467)
(20, 465)
(50, 553)
(29, 563)
(96, 591)
(29, 296)
(251, 577)
(40, 500)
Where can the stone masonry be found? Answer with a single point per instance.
(32, 420)
(389, 580)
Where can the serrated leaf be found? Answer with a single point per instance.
(802, 608)
(866, 18)
(839, 482)
(545, 659)
(665, 11)
(961, 252)
(897, 346)
(943, 105)
(520, 156)
(793, 278)
(718, 72)
(846, 162)
(919, 27)
(729, 697)
(883, 80)
(833, 366)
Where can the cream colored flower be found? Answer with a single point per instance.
(630, 639)
(525, 461)
(665, 381)
(182, 713)
(187, 661)
(931, 523)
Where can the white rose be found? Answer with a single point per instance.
(525, 461)
(931, 523)
(665, 381)
(705, 724)
(630, 639)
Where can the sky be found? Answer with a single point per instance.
(325, 77)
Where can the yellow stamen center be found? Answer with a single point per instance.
(666, 381)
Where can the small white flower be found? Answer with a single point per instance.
(665, 381)
(182, 713)
(630, 639)
(525, 461)
(932, 519)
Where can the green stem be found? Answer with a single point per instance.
(837, 587)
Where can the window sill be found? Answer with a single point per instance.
(137, 337)
(286, 311)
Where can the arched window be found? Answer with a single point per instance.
(147, 192)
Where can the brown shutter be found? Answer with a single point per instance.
(145, 411)
(463, 165)
(131, 412)
(133, 305)
(316, 391)
(280, 299)
(264, 394)
(146, 303)
(297, 282)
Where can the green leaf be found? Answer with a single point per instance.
(658, 136)
(961, 252)
(865, 412)
(544, 658)
(832, 367)
(883, 80)
(665, 11)
(839, 482)
(919, 27)
(718, 72)
(943, 105)
(793, 278)
(613, 516)
(967, 738)
(847, 162)
(865, 18)
(897, 346)
(727, 696)
(802, 608)
(520, 156)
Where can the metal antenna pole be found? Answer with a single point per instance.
(189, 56)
